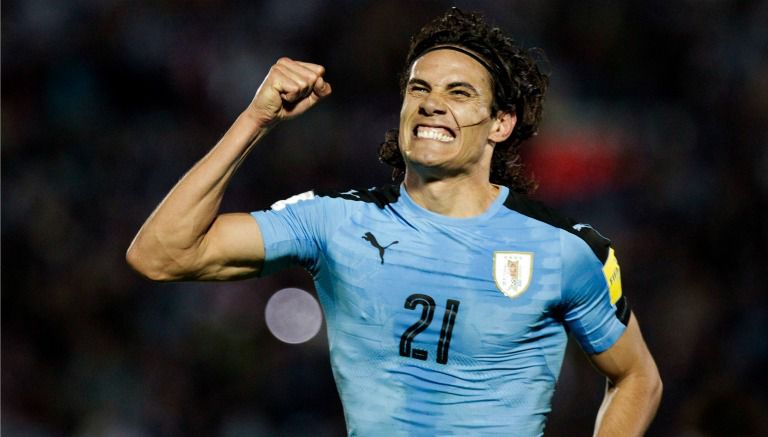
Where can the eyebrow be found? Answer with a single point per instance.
(462, 85)
(417, 81)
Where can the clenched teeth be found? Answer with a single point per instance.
(432, 133)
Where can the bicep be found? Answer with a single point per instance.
(629, 355)
(232, 248)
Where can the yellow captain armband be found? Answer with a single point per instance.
(612, 274)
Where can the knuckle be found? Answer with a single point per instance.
(275, 69)
(310, 79)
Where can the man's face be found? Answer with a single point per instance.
(445, 121)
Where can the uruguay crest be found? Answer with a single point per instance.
(512, 272)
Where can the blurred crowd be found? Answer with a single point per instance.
(655, 132)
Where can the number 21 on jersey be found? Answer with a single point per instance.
(427, 312)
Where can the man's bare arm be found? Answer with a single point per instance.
(634, 386)
(185, 238)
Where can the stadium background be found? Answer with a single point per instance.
(655, 132)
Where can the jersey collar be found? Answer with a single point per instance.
(422, 212)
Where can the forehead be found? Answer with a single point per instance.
(445, 66)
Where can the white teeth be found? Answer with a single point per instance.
(438, 134)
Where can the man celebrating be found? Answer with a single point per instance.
(448, 297)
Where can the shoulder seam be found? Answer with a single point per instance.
(539, 211)
(380, 196)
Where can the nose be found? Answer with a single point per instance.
(432, 105)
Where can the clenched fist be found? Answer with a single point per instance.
(290, 88)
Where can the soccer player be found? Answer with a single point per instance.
(448, 297)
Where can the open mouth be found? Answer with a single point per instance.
(438, 133)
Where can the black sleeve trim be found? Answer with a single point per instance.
(380, 196)
(537, 210)
(623, 310)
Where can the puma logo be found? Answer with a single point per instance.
(371, 239)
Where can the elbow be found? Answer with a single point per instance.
(655, 385)
(657, 388)
(650, 384)
(144, 264)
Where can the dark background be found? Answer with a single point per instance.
(655, 132)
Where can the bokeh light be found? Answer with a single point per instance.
(293, 315)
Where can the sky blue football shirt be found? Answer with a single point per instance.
(447, 326)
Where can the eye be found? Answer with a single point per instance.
(461, 93)
(417, 89)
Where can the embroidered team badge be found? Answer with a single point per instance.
(512, 272)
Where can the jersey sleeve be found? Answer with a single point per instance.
(294, 231)
(594, 308)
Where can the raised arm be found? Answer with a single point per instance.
(186, 238)
(633, 388)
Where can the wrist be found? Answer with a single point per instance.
(247, 129)
(258, 119)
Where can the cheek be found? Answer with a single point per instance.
(474, 141)
(402, 140)
(468, 116)
(408, 110)
(407, 113)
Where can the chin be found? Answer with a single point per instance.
(429, 168)
(427, 159)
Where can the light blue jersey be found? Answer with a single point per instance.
(447, 326)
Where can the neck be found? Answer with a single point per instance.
(460, 196)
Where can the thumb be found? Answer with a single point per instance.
(321, 88)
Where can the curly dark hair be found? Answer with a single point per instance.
(518, 86)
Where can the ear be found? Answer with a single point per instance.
(502, 126)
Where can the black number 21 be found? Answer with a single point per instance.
(427, 311)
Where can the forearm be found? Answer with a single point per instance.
(165, 245)
(629, 406)
(185, 237)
